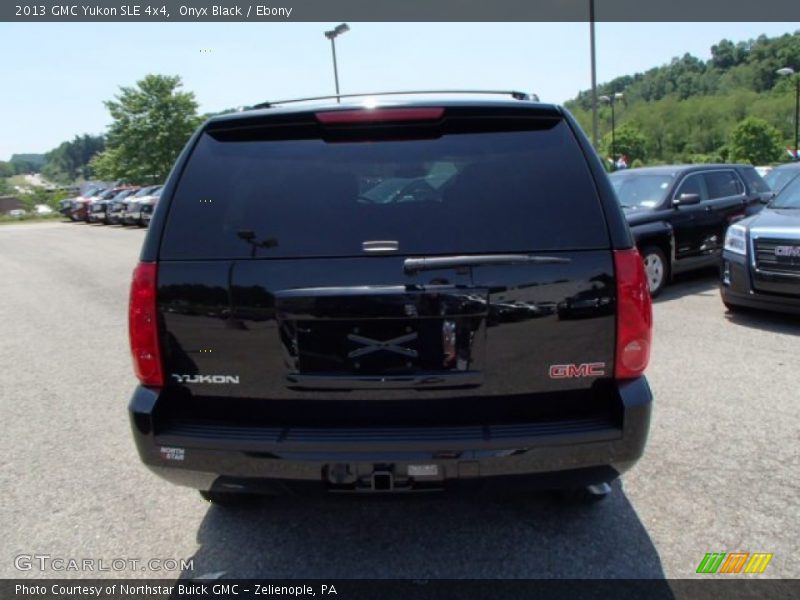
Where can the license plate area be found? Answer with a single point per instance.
(357, 346)
(386, 346)
(369, 332)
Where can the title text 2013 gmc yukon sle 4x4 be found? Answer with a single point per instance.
(387, 298)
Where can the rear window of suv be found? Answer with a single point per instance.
(493, 191)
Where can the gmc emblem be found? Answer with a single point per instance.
(787, 250)
(573, 371)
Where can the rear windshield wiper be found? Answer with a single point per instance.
(430, 263)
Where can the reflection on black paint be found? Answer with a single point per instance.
(595, 301)
(194, 299)
(180, 362)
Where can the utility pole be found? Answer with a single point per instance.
(594, 74)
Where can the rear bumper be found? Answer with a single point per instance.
(736, 288)
(566, 453)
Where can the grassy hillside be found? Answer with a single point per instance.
(689, 109)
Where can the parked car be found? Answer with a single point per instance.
(288, 330)
(65, 206)
(80, 206)
(116, 206)
(96, 210)
(132, 214)
(147, 206)
(97, 207)
(42, 209)
(779, 177)
(17, 212)
(761, 259)
(77, 204)
(678, 214)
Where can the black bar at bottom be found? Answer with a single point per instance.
(727, 586)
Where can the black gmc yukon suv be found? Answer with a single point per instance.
(389, 296)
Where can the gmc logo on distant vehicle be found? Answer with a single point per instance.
(787, 250)
(573, 371)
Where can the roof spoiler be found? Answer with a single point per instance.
(514, 94)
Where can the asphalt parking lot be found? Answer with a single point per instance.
(720, 472)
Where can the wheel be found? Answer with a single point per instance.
(733, 308)
(229, 499)
(655, 268)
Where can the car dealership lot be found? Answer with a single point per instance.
(719, 473)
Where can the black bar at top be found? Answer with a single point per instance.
(404, 11)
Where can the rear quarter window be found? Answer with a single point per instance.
(722, 184)
(502, 191)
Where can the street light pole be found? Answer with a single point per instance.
(335, 70)
(796, 115)
(332, 35)
(594, 74)
(611, 100)
(788, 71)
(613, 134)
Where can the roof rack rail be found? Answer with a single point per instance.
(514, 94)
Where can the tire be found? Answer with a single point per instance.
(733, 308)
(656, 269)
(229, 499)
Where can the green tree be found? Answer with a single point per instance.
(688, 108)
(755, 141)
(151, 124)
(7, 169)
(628, 141)
(27, 163)
(70, 160)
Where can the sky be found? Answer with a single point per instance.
(57, 75)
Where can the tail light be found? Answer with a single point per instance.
(634, 315)
(143, 326)
(372, 115)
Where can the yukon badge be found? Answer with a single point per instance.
(206, 378)
(573, 371)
